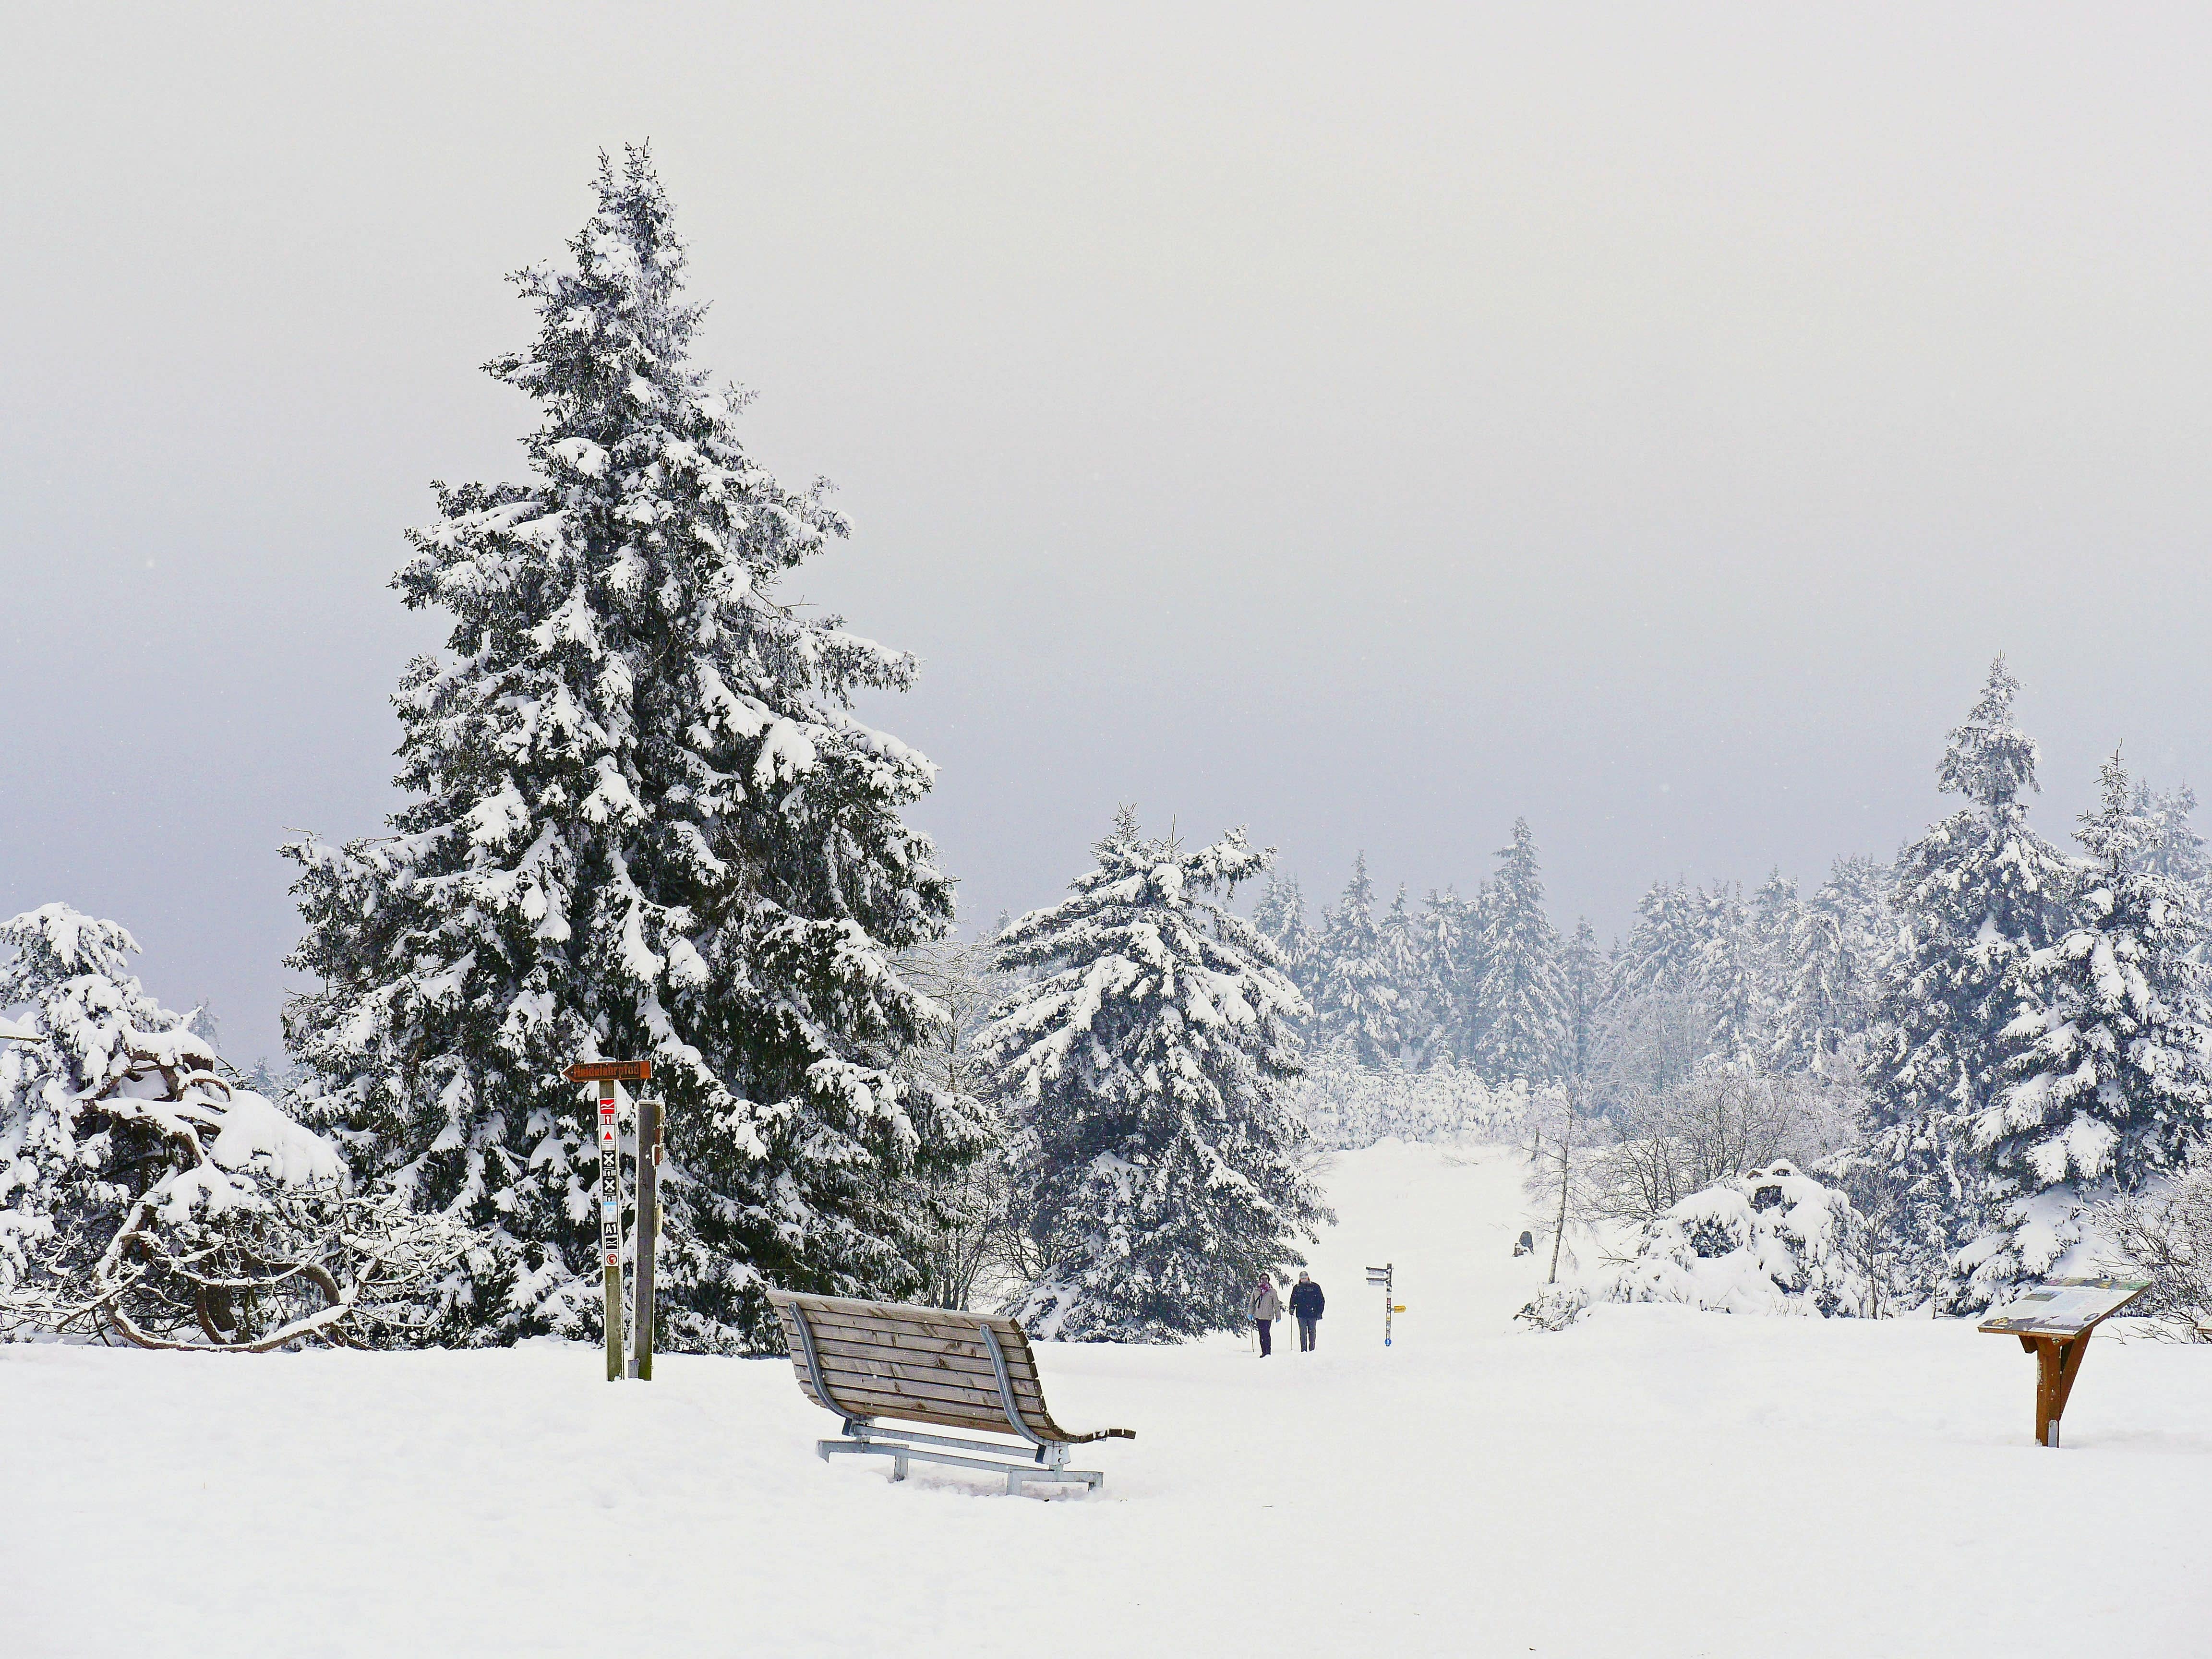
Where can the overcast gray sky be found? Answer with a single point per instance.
(1363, 423)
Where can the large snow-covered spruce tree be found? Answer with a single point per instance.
(1281, 915)
(1354, 996)
(1524, 1030)
(1152, 1060)
(2108, 1083)
(1976, 896)
(643, 823)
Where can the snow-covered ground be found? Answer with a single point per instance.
(1654, 1482)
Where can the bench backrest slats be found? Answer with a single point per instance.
(886, 1360)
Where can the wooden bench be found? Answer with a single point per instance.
(870, 1360)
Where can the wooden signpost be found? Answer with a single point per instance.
(2054, 1321)
(610, 1075)
(649, 1116)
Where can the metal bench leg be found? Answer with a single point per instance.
(898, 1466)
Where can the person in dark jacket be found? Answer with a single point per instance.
(1306, 1303)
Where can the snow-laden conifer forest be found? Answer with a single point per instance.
(1515, 1073)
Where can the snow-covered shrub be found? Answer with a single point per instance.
(1347, 1105)
(1774, 1241)
(1718, 1120)
(2165, 1235)
(143, 1190)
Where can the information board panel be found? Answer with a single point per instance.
(2064, 1307)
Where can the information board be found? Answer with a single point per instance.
(2064, 1307)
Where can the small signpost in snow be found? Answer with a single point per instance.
(2054, 1321)
(610, 1075)
(1381, 1276)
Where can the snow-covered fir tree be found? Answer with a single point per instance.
(2173, 847)
(1664, 950)
(1451, 964)
(1769, 922)
(1152, 1060)
(1839, 941)
(1698, 944)
(1730, 974)
(642, 822)
(1281, 914)
(1522, 993)
(2108, 1084)
(1582, 976)
(1354, 996)
(1976, 896)
(1421, 1015)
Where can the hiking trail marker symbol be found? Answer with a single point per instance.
(609, 1075)
(2054, 1321)
(1381, 1276)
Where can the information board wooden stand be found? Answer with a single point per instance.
(2054, 1321)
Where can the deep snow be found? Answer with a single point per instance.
(1653, 1482)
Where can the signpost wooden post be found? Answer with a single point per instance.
(649, 1115)
(2054, 1321)
(610, 1075)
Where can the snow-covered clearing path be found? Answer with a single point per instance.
(1652, 1483)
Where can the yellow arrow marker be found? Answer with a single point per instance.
(1399, 1307)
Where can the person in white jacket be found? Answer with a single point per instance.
(1267, 1309)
